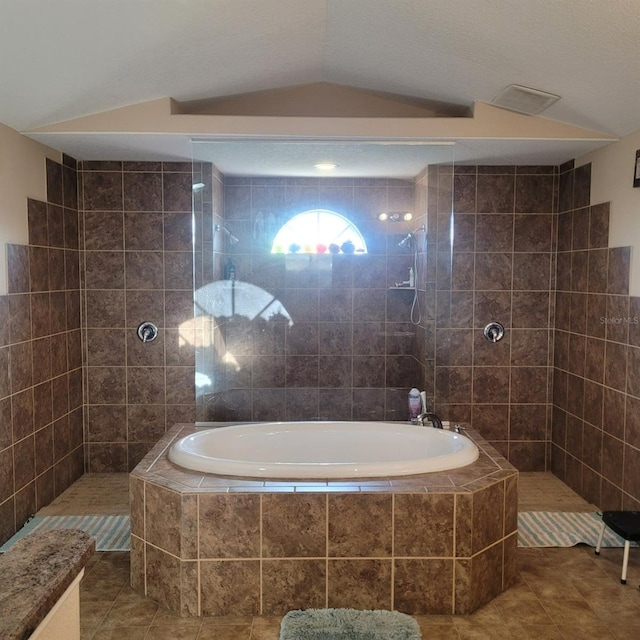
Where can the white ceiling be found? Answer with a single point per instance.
(66, 59)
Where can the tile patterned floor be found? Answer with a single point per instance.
(544, 492)
(560, 593)
(92, 494)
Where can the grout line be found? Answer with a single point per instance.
(326, 551)
(261, 552)
(393, 550)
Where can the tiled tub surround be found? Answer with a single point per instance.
(352, 352)
(210, 545)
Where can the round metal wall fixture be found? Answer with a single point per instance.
(494, 332)
(147, 332)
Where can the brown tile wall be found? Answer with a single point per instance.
(352, 338)
(595, 440)
(501, 270)
(138, 266)
(41, 423)
(351, 350)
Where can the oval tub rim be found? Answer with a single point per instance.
(179, 455)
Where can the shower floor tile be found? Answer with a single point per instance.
(540, 491)
(92, 494)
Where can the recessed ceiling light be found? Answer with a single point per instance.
(325, 166)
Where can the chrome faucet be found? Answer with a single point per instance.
(430, 417)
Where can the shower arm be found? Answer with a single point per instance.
(232, 239)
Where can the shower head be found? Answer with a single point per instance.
(232, 239)
(407, 241)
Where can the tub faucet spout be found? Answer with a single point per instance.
(430, 417)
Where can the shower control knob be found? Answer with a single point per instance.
(494, 332)
(147, 332)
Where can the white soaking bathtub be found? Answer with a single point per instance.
(323, 450)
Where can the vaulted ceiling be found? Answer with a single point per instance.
(61, 61)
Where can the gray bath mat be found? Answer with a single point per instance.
(348, 624)
(112, 533)
(563, 529)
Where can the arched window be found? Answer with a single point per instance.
(319, 231)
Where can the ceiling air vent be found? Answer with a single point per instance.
(525, 100)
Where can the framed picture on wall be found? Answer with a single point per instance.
(636, 171)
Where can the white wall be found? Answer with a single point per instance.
(22, 176)
(612, 172)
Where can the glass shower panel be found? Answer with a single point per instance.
(207, 261)
(446, 383)
(320, 334)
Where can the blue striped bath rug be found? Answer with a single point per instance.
(563, 529)
(112, 533)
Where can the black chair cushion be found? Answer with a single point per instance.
(624, 523)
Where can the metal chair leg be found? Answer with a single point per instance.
(625, 562)
(597, 551)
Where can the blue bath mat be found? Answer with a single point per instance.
(348, 624)
(112, 533)
(563, 529)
